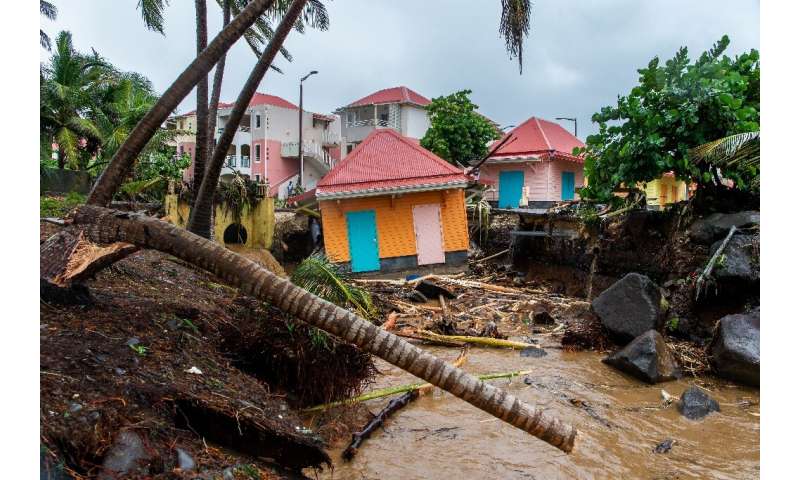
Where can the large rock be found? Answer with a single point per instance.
(735, 348)
(695, 404)
(646, 358)
(125, 455)
(737, 267)
(714, 227)
(630, 307)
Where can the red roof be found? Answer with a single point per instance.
(267, 99)
(386, 161)
(537, 136)
(393, 95)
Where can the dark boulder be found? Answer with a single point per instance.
(432, 291)
(737, 265)
(695, 404)
(630, 307)
(646, 358)
(735, 348)
(534, 352)
(714, 227)
(665, 446)
(125, 455)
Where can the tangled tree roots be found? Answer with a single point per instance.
(305, 361)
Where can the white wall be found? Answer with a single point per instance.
(414, 121)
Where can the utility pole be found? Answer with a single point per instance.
(573, 120)
(300, 136)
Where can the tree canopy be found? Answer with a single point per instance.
(458, 133)
(675, 107)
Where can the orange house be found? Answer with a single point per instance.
(392, 205)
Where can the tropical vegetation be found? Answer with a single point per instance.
(674, 108)
(458, 133)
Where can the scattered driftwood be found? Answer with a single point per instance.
(393, 407)
(385, 392)
(459, 340)
(498, 254)
(700, 285)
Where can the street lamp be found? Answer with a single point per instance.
(508, 126)
(571, 119)
(300, 139)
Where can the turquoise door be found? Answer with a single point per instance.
(567, 185)
(510, 188)
(362, 235)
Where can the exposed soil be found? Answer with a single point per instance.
(125, 362)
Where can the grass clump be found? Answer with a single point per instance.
(53, 206)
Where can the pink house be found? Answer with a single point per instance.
(535, 167)
(265, 146)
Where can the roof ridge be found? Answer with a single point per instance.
(544, 135)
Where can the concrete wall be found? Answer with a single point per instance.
(64, 181)
(259, 222)
(395, 222)
(414, 121)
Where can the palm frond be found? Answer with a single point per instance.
(48, 9)
(44, 40)
(323, 278)
(741, 149)
(153, 14)
(136, 187)
(515, 22)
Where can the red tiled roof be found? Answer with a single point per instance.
(194, 112)
(387, 161)
(267, 99)
(537, 136)
(393, 95)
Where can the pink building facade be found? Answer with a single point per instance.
(265, 146)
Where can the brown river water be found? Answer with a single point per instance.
(620, 421)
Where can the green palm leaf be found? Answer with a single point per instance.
(320, 276)
(515, 21)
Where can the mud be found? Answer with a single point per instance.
(621, 422)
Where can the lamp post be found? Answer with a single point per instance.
(571, 119)
(300, 136)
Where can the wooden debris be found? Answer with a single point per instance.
(385, 392)
(701, 280)
(463, 339)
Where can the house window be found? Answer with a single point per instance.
(258, 121)
(258, 152)
(350, 148)
(258, 177)
(190, 126)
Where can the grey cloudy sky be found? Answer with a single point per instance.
(580, 55)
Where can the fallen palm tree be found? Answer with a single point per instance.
(102, 225)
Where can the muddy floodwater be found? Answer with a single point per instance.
(620, 420)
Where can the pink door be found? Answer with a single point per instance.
(428, 231)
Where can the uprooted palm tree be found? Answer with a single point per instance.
(107, 226)
(200, 216)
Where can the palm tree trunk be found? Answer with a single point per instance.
(113, 176)
(107, 226)
(62, 159)
(216, 87)
(201, 137)
(200, 216)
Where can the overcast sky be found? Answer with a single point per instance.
(579, 56)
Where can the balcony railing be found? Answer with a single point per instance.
(230, 161)
(311, 150)
(370, 122)
(242, 128)
(245, 161)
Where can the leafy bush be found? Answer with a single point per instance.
(675, 107)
